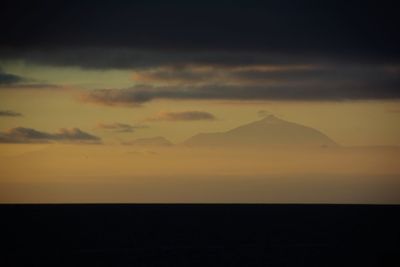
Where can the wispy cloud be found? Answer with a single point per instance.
(182, 116)
(120, 127)
(29, 135)
(9, 113)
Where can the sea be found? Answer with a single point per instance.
(199, 235)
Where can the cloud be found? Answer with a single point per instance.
(28, 135)
(30, 86)
(335, 30)
(117, 97)
(182, 116)
(12, 81)
(339, 74)
(178, 75)
(120, 127)
(243, 51)
(329, 82)
(200, 74)
(9, 113)
(306, 89)
(9, 79)
(138, 59)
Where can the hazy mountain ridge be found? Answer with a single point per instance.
(267, 131)
(150, 141)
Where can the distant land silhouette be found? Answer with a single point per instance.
(268, 131)
(151, 141)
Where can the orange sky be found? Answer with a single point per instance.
(65, 135)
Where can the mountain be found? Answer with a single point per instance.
(268, 131)
(152, 141)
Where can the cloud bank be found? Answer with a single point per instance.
(333, 29)
(12, 81)
(9, 113)
(269, 50)
(28, 135)
(182, 116)
(120, 127)
(263, 82)
(9, 79)
(310, 90)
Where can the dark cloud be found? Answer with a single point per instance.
(351, 42)
(117, 97)
(177, 75)
(144, 58)
(75, 134)
(182, 116)
(31, 86)
(323, 92)
(9, 79)
(120, 127)
(382, 75)
(189, 31)
(10, 113)
(28, 135)
(327, 83)
(12, 81)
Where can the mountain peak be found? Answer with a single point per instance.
(270, 130)
(272, 119)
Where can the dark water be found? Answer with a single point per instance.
(200, 235)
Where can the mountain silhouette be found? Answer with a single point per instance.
(152, 141)
(268, 131)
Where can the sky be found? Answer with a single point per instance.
(91, 77)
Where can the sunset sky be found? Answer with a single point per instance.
(89, 78)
